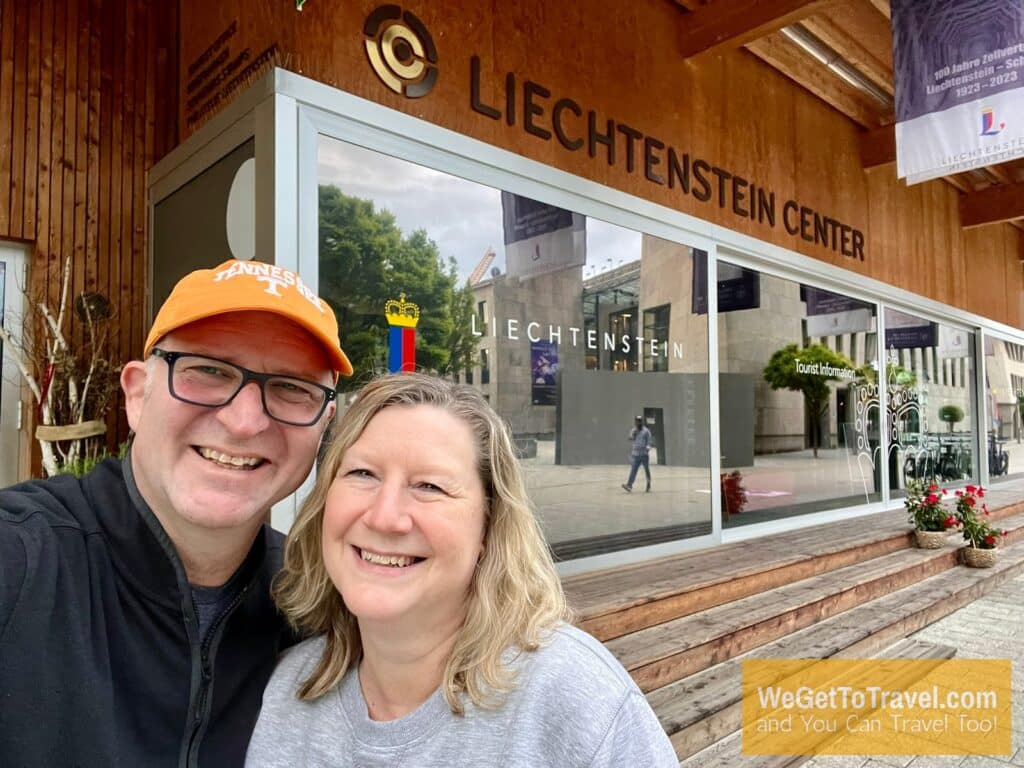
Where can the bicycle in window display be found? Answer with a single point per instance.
(998, 458)
(939, 458)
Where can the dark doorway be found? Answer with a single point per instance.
(655, 422)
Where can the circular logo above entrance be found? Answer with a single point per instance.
(401, 51)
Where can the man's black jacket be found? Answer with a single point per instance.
(100, 659)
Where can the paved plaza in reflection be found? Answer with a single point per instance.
(575, 502)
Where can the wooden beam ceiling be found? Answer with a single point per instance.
(993, 205)
(786, 57)
(859, 32)
(728, 24)
(882, 6)
(860, 43)
(960, 181)
(1000, 174)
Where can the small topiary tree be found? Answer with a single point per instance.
(808, 370)
(951, 414)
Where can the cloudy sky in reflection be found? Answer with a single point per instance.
(462, 217)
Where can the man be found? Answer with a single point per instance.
(639, 453)
(136, 623)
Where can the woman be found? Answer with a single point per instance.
(440, 620)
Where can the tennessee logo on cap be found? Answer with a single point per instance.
(274, 277)
(239, 286)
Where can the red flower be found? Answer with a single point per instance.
(969, 501)
(970, 489)
(949, 522)
(932, 487)
(981, 493)
(990, 540)
(932, 499)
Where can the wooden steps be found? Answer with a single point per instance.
(705, 707)
(659, 655)
(618, 601)
(728, 753)
(681, 625)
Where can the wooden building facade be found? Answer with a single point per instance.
(683, 115)
(87, 105)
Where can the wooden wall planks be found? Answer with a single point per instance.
(621, 60)
(87, 104)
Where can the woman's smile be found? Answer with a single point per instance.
(404, 519)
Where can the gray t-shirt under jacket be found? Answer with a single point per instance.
(573, 706)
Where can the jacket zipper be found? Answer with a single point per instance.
(199, 719)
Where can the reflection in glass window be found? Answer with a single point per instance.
(798, 404)
(929, 375)
(656, 322)
(563, 315)
(1004, 408)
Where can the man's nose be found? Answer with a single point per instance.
(245, 415)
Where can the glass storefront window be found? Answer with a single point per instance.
(932, 418)
(656, 325)
(1004, 408)
(576, 327)
(798, 407)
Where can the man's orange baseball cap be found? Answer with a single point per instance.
(239, 286)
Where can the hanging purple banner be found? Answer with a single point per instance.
(903, 331)
(541, 238)
(832, 314)
(959, 77)
(543, 372)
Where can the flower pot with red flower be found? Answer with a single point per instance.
(982, 538)
(734, 495)
(925, 512)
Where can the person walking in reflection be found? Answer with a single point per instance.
(639, 453)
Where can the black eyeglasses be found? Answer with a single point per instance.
(212, 383)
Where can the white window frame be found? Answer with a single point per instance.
(287, 112)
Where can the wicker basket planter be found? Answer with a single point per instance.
(979, 558)
(930, 539)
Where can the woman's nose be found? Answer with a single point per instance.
(387, 510)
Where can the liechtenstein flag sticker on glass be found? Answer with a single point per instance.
(402, 317)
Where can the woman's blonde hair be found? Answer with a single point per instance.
(515, 594)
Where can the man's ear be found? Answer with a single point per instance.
(327, 418)
(133, 382)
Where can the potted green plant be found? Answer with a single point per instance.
(982, 538)
(925, 512)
